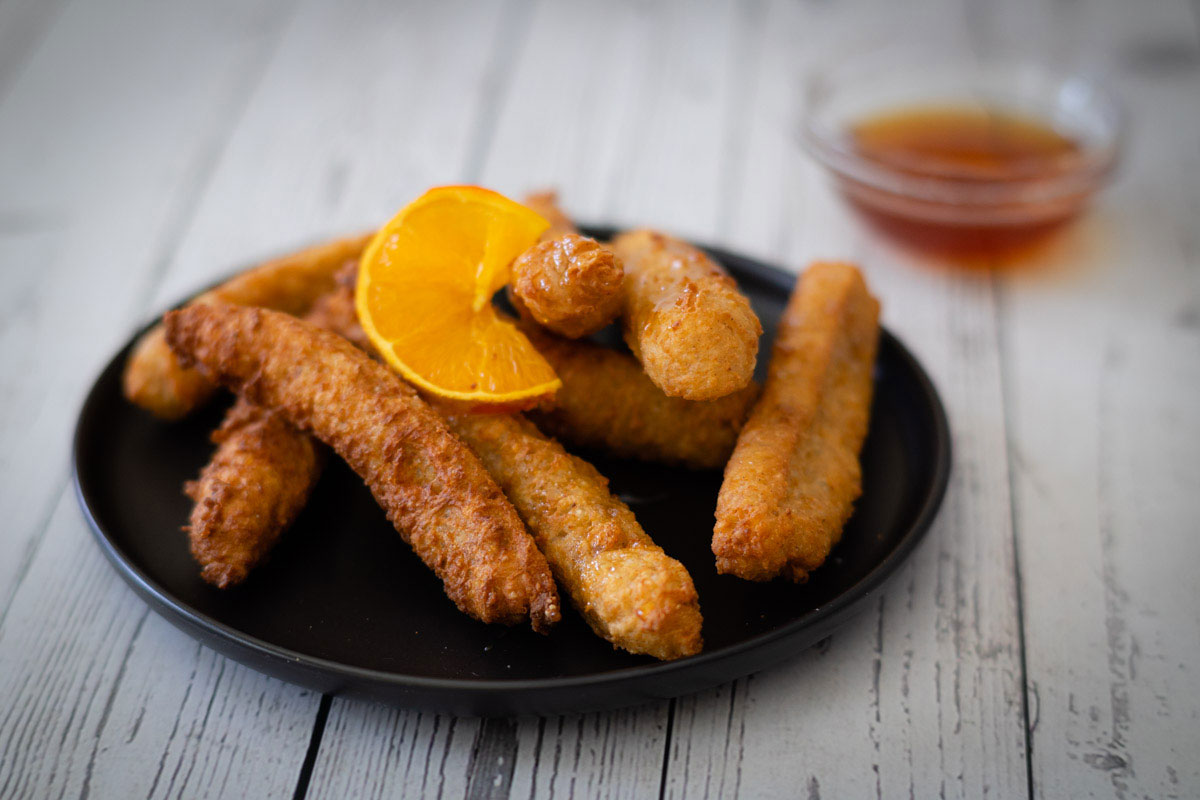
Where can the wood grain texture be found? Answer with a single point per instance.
(1102, 363)
(373, 751)
(923, 693)
(93, 703)
(104, 698)
(184, 140)
(76, 263)
(294, 136)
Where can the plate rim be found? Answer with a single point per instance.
(236, 642)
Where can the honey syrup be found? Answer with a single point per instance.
(985, 167)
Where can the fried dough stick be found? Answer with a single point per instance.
(684, 318)
(155, 380)
(259, 479)
(607, 402)
(794, 476)
(628, 590)
(567, 283)
(254, 486)
(433, 489)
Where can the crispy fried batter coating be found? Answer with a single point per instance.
(684, 318)
(157, 382)
(433, 489)
(607, 402)
(569, 284)
(629, 591)
(336, 311)
(793, 479)
(259, 479)
(252, 489)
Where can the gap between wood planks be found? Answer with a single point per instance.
(495, 735)
(1006, 403)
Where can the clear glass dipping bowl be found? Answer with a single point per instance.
(944, 210)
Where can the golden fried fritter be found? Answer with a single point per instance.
(157, 382)
(433, 489)
(629, 591)
(258, 480)
(607, 402)
(569, 284)
(684, 318)
(254, 486)
(792, 481)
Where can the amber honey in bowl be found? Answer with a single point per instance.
(967, 178)
(964, 143)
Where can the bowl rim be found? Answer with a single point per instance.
(1079, 174)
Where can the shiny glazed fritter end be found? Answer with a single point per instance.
(570, 285)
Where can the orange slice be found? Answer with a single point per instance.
(424, 294)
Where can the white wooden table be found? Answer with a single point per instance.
(1043, 641)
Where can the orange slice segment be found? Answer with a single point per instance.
(424, 294)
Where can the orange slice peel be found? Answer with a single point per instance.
(424, 291)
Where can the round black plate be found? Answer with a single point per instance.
(344, 606)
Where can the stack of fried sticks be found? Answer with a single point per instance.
(491, 502)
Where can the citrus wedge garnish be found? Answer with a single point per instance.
(425, 285)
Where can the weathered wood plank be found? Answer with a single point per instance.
(102, 697)
(663, 114)
(1101, 354)
(129, 120)
(370, 750)
(922, 695)
(99, 180)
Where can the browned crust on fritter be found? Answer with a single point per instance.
(155, 380)
(569, 284)
(607, 402)
(336, 311)
(433, 489)
(684, 318)
(629, 591)
(254, 486)
(259, 478)
(794, 476)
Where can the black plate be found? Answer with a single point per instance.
(344, 606)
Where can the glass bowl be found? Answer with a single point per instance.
(961, 209)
